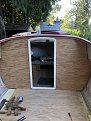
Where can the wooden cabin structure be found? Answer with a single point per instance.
(53, 62)
(63, 58)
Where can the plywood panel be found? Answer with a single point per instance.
(14, 63)
(73, 66)
(50, 105)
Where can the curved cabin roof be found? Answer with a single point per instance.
(45, 34)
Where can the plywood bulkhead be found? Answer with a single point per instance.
(72, 64)
(14, 63)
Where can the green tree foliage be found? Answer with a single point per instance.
(29, 11)
(12, 14)
(2, 27)
(24, 11)
(77, 18)
(53, 14)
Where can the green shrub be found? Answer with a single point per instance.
(84, 31)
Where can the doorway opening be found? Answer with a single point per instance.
(42, 61)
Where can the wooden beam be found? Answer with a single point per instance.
(0, 50)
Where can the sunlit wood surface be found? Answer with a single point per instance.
(49, 105)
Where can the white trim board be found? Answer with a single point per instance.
(41, 39)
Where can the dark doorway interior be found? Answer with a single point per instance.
(43, 63)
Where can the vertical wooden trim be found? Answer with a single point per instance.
(0, 50)
(89, 51)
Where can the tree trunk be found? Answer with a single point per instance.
(24, 16)
(11, 15)
(27, 17)
(2, 26)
